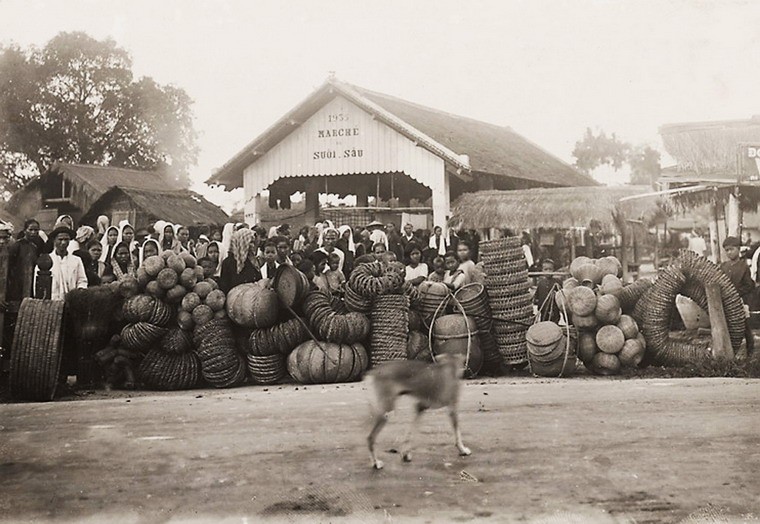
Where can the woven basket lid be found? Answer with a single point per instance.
(543, 333)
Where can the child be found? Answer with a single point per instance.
(269, 267)
(439, 269)
(320, 262)
(454, 277)
(466, 265)
(307, 268)
(737, 271)
(209, 267)
(335, 277)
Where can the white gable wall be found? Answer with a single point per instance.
(342, 139)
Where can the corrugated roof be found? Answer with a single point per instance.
(491, 149)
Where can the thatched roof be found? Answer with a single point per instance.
(90, 182)
(708, 148)
(552, 207)
(468, 146)
(178, 207)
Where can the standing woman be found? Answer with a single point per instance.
(183, 239)
(127, 235)
(121, 263)
(166, 239)
(109, 241)
(93, 267)
(241, 265)
(214, 253)
(346, 244)
(149, 249)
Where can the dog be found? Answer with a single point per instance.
(433, 386)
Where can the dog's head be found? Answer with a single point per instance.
(456, 360)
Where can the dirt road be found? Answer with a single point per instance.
(551, 451)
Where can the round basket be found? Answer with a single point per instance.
(504, 256)
(474, 300)
(36, 350)
(512, 354)
(268, 369)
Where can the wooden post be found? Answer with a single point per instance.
(656, 247)
(734, 215)
(3, 285)
(572, 246)
(721, 342)
(714, 233)
(623, 225)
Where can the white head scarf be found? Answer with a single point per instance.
(103, 222)
(104, 256)
(160, 232)
(378, 236)
(142, 249)
(123, 224)
(341, 231)
(227, 231)
(60, 219)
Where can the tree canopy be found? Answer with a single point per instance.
(76, 100)
(595, 150)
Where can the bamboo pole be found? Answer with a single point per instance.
(714, 233)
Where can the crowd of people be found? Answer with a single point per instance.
(85, 256)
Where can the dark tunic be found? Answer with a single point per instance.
(739, 274)
(230, 277)
(22, 257)
(90, 267)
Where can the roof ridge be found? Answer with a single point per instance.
(365, 91)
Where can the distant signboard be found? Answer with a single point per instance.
(749, 163)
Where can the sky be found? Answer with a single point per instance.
(547, 69)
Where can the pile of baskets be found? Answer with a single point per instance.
(509, 296)
(474, 301)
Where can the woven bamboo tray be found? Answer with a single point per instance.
(37, 350)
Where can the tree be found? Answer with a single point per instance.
(597, 150)
(645, 165)
(593, 151)
(76, 100)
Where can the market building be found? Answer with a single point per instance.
(346, 140)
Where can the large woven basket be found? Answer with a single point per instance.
(267, 369)
(390, 328)
(37, 349)
(499, 244)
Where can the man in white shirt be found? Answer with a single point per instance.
(697, 242)
(67, 271)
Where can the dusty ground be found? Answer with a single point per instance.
(579, 450)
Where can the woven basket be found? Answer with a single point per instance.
(390, 328)
(169, 371)
(36, 350)
(508, 291)
(505, 256)
(269, 369)
(508, 307)
(499, 244)
(512, 354)
(505, 280)
(506, 267)
(474, 300)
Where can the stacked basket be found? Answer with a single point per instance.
(509, 297)
(474, 300)
(390, 328)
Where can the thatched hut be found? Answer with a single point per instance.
(612, 209)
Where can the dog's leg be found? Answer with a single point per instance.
(407, 449)
(463, 450)
(380, 420)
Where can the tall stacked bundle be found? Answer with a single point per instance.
(509, 297)
(269, 348)
(390, 328)
(474, 301)
(221, 365)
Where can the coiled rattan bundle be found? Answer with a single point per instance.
(177, 340)
(332, 326)
(375, 278)
(631, 294)
(169, 371)
(390, 328)
(141, 335)
(655, 309)
(279, 339)
(267, 369)
(221, 365)
(356, 302)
